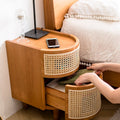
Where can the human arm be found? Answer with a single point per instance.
(100, 67)
(113, 95)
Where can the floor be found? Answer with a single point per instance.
(31, 113)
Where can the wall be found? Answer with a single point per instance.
(9, 29)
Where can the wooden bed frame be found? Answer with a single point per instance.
(54, 11)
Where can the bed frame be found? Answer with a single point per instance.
(54, 11)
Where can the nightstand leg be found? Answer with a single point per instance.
(56, 114)
(25, 106)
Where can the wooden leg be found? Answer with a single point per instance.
(25, 106)
(66, 117)
(56, 114)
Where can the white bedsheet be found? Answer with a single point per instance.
(99, 40)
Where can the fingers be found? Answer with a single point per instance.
(77, 82)
(82, 79)
(98, 72)
(91, 67)
(95, 66)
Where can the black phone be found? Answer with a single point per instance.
(52, 43)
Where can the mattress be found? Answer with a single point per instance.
(99, 40)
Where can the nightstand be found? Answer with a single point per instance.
(31, 62)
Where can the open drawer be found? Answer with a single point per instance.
(55, 98)
(78, 102)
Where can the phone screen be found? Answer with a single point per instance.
(52, 43)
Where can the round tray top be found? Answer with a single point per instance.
(67, 42)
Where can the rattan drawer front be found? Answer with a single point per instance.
(82, 102)
(58, 64)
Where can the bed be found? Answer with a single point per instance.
(99, 40)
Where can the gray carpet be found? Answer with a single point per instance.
(116, 116)
(108, 111)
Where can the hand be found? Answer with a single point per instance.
(87, 77)
(98, 67)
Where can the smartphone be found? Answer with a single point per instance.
(52, 43)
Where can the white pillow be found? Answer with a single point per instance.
(95, 9)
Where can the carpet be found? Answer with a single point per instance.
(116, 116)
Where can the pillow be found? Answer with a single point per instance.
(95, 9)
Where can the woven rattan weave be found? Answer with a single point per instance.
(83, 102)
(56, 64)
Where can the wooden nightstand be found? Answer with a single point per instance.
(31, 62)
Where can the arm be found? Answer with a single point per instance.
(113, 95)
(105, 66)
(113, 67)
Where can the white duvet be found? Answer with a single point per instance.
(99, 40)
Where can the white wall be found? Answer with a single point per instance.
(9, 29)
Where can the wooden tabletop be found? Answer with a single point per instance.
(66, 41)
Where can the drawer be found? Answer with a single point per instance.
(75, 100)
(55, 98)
(78, 102)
